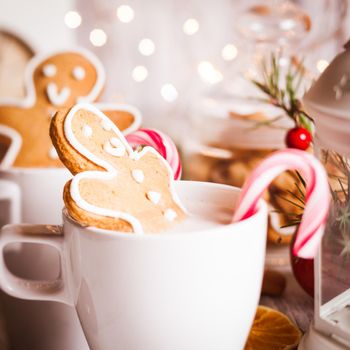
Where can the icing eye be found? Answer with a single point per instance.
(78, 73)
(49, 70)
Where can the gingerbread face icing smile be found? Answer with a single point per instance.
(55, 81)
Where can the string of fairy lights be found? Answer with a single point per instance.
(147, 47)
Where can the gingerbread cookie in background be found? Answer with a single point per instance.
(54, 81)
(15, 53)
(114, 186)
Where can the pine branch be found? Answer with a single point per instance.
(284, 97)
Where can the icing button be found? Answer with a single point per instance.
(170, 214)
(138, 175)
(153, 196)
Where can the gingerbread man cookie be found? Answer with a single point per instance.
(114, 187)
(54, 81)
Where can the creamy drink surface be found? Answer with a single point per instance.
(208, 206)
(203, 216)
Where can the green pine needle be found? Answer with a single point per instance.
(284, 97)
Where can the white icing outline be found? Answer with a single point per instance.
(75, 193)
(14, 148)
(106, 125)
(170, 214)
(116, 142)
(103, 106)
(30, 99)
(116, 151)
(111, 171)
(57, 98)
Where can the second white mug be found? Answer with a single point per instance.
(34, 195)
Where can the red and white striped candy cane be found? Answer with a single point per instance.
(162, 143)
(317, 201)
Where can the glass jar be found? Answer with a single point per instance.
(328, 101)
(336, 242)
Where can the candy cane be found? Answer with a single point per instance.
(162, 143)
(311, 228)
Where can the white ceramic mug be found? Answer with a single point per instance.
(34, 195)
(181, 290)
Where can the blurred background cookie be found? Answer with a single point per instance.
(15, 53)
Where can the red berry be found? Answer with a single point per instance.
(303, 270)
(299, 138)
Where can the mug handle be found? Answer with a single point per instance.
(10, 191)
(49, 290)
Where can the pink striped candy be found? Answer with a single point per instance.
(311, 228)
(162, 143)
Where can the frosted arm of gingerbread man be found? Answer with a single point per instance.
(115, 187)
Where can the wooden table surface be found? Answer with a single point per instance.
(294, 302)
